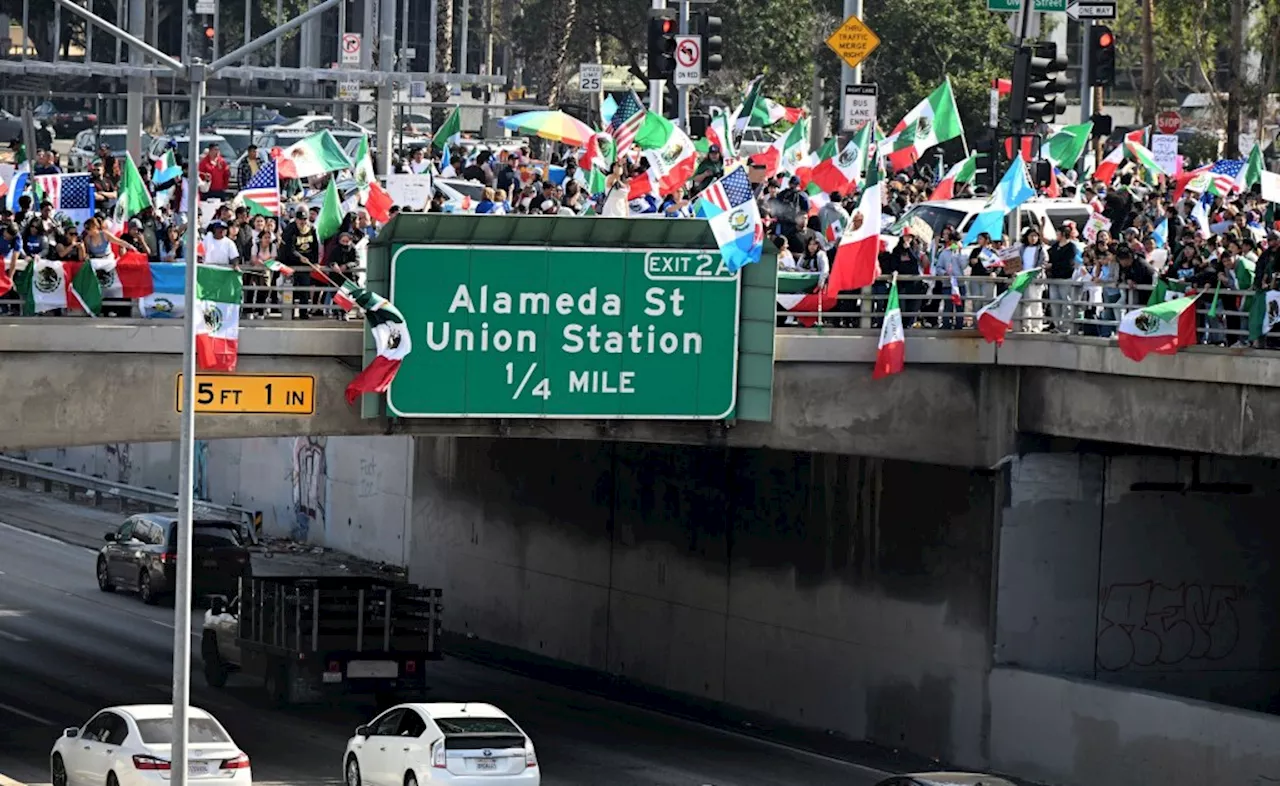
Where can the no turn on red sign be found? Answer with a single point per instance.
(688, 60)
(350, 48)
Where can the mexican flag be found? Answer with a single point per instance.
(671, 163)
(995, 318)
(276, 266)
(314, 155)
(857, 257)
(219, 293)
(450, 129)
(787, 153)
(375, 199)
(47, 286)
(1145, 159)
(390, 337)
(132, 195)
(805, 170)
(1106, 171)
(841, 172)
(126, 278)
(1065, 147)
(892, 350)
(933, 121)
(1162, 328)
(720, 132)
(1264, 313)
(1252, 170)
(752, 112)
(963, 172)
(329, 221)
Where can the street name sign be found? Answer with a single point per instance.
(688, 71)
(853, 41)
(589, 333)
(251, 394)
(207, 7)
(590, 77)
(1091, 9)
(1014, 6)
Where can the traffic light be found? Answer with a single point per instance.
(670, 100)
(1039, 84)
(662, 43)
(1102, 57)
(712, 44)
(206, 42)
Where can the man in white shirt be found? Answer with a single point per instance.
(219, 249)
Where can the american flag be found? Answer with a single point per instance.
(730, 191)
(70, 195)
(263, 188)
(626, 122)
(1224, 174)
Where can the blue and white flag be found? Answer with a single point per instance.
(165, 302)
(17, 187)
(1161, 234)
(1012, 190)
(70, 195)
(730, 208)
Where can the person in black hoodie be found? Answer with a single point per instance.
(1062, 268)
(300, 248)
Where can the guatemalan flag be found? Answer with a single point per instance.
(70, 195)
(730, 208)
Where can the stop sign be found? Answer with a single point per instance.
(1168, 122)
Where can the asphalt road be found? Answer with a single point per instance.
(67, 650)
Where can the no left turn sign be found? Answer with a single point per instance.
(350, 48)
(688, 60)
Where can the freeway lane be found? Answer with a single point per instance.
(67, 649)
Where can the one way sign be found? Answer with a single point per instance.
(1091, 9)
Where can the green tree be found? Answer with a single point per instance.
(925, 41)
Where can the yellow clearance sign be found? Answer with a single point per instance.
(251, 394)
(853, 41)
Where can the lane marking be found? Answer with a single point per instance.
(26, 715)
(169, 625)
(44, 537)
(13, 637)
(5, 780)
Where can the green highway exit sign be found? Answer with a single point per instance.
(548, 332)
(1049, 6)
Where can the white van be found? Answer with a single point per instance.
(1046, 214)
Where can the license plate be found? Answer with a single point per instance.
(383, 669)
(210, 563)
(332, 676)
(197, 768)
(486, 764)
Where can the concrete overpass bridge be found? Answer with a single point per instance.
(961, 402)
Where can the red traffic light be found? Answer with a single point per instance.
(668, 26)
(208, 32)
(1105, 40)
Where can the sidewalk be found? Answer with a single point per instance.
(82, 524)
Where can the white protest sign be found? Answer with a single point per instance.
(1097, 223)
(1164, 148)
(410, 192)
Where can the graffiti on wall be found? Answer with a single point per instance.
(1147, 623)
(119, 462)
(200, 472)
(310, 474)
(368, 478)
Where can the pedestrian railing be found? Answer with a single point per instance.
(1047, 306)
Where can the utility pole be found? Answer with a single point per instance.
(1148, 62)
(682, 92)
(137, 84)
(655, 85)
(1086, 90)
(1235, 78)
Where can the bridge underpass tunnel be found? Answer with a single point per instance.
(838, 593)
(1133, 591)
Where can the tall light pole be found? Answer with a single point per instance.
(197, 75)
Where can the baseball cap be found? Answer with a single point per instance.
(218, 225)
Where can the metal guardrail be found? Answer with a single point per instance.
(103, 488)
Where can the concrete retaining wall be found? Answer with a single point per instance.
(832, 592)
(1061, 730)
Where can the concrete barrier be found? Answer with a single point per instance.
(1075, 732)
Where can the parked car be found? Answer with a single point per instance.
(306, 125)
(141, 555)
(182, 145)
(84, 149)
(413, 124)
(130, 746)
(259, 117)
(64, 119)
(10, 126)
(945, 779)
(441, 743)
(755, 140)
(1044, 214)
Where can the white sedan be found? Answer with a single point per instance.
(459, 744)
(129, 746)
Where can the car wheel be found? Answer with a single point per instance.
(58, 771)
(104, 581)
(410, 779)
(145, 590)
(112, 780)
(352, 774)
